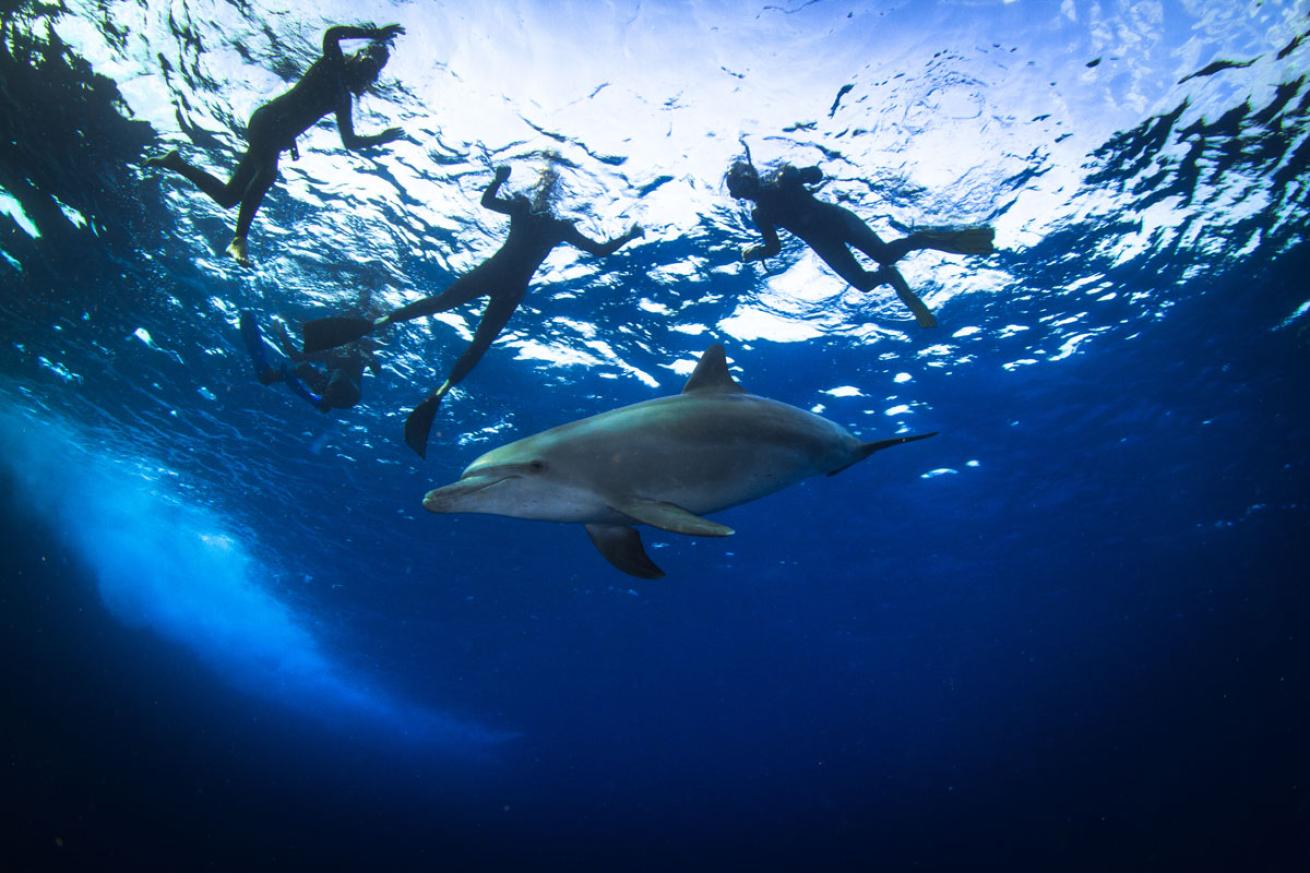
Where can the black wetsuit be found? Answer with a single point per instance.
(504, 277)
(327, 379)
(831, 230)
(273, 128)
(337, 386)
(828, 229)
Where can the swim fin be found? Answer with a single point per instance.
(170, 160)
(254, 342)
(322, 334)
(419, 423)
(966, 241)
(922, 315)
(300, 389)
(239, 250)
(268, 374)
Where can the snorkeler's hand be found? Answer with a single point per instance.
(502, 173)
(390, 32)
(635, 232)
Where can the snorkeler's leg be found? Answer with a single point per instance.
(843, 263)
(419, 423)
(341, 391)
(331, 331)
(922, 314)
(961, 241)
(499, 309)
(336, 330)
(226, 194)
(863, 238)
(261, 180)
(297, 376)
(468, 287)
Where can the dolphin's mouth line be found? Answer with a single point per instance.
(460, 490)
(492, 484)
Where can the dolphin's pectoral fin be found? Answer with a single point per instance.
(667, 516)
(621, 546)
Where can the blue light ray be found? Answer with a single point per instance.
(176, 569)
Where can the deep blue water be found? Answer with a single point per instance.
(1069, 632)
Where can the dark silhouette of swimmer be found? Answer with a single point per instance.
(534, 231)
(327, 380)
(782, 200)
(327, 86)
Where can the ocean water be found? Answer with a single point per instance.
(1067, 633)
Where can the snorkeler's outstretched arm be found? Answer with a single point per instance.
(593, 247)
(804, 175)
(345, 119)
(352, 140)
(490, 200)
(333, 35)
(772, 245)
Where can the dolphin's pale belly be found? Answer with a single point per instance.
(700, 453)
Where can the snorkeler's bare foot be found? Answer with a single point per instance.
(170, 160)
(237, 249)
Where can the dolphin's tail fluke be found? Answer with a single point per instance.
(322, 334)
(867, 449)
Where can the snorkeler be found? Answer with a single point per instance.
(327, 86)
(335, 386)
(534, 231)
(782, 200)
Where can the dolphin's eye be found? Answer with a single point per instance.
(537, 466)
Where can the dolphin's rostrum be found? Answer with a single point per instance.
(664, 462)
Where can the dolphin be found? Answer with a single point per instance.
(665, 462)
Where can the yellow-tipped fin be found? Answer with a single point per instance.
(238, 250)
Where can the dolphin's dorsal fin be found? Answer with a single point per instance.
(711, 374)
